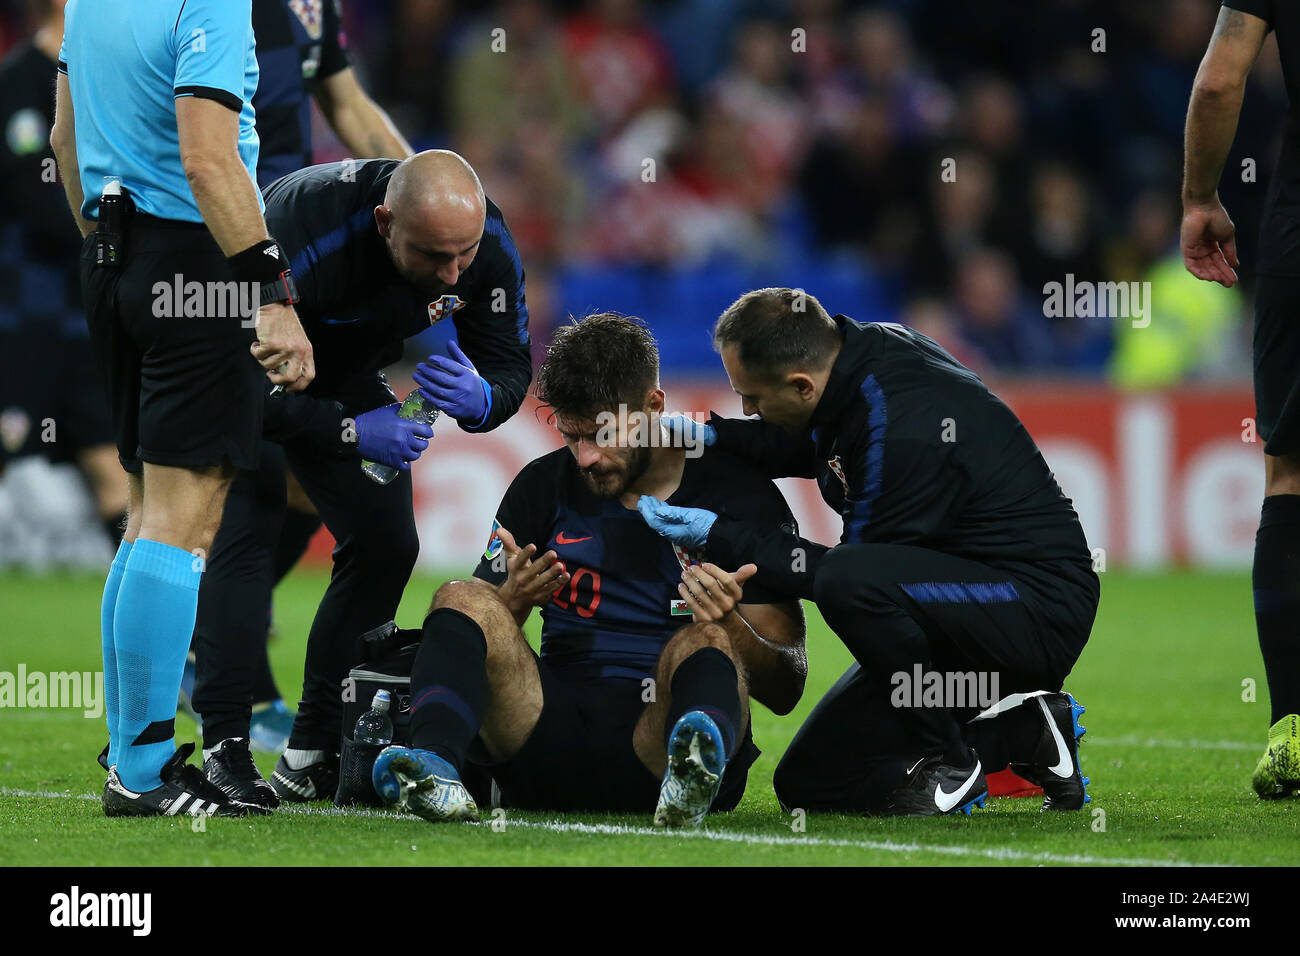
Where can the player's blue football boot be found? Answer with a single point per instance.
(269, 727)
(423, 783)
(696, 760)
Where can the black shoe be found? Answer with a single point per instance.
(316, 781)
(934, 788)
(231, 770)
(1054, 765)
(184, 791)
(103, 757)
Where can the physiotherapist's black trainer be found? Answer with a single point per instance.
(231, 770)
(1055, 764)
(316, 781)
(934, 788)
(184, 792)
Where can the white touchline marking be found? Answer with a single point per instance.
(1133, 740)
(724, 836)
(889, 846)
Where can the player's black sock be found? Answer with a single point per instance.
(449, 687)
(1276, 582)
(706, 681)
(295, 534)
(115, 527)
(1012, 736)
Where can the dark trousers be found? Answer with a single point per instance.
(896, 607)
(230, 628)
(376, 547)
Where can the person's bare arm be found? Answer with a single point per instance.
(358, 121)
(1208, 235)
(768, 638)
(63, 140)
(208, 133)
(225, 193)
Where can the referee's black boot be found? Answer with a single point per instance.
(934, 788)
(1054, 763)
(231, 770)
(184, 792)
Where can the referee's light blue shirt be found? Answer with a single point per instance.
(127, 61)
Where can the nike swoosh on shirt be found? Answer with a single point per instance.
(946, 801)
(561, 539)
(1065, 766)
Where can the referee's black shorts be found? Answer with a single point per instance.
(1277, 362)
(183, 390)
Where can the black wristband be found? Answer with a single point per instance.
(263, 262)
(282, 289)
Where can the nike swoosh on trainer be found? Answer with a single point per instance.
(946, 801)
(1065, 766)
(308, 791)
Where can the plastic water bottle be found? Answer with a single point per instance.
(108, 235)
(374, 727)
(417, 410)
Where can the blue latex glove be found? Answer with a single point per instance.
(385, 438)
(685, 432)
(454, 385)
(687, 527)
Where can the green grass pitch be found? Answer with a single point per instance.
(1170, 747)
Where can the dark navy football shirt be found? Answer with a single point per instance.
(621, 604)
(299, 42)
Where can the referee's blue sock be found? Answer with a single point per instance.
(152, 625)
(106, 609)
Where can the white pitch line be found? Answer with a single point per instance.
(729, 836)
(1133, 740)
(887, 846)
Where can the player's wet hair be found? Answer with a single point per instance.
(778, 330)
(597, 363)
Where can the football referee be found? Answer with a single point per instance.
(1210, 252)
(155, 138)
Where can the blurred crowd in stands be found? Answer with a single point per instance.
(659, 158)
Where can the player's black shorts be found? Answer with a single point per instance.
(51, 399)
(1277, 362)
(580, 757)
(183, 390)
